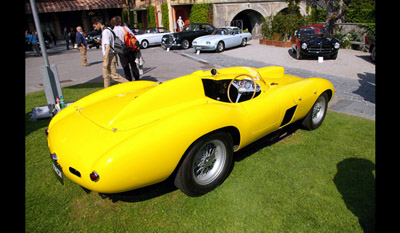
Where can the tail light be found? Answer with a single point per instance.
(53, 157)
(94, 176)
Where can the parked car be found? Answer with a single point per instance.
(140, 133)
(314, 40)
(187, 35)
(221, 39)
(93, 39)
(152, 36)
(370, 46)
(137, 31)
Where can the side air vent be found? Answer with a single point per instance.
(288, 115)
(74, 171)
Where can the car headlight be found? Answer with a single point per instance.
(304, 46)
(208, 42)
(337, 45)
(194, 42)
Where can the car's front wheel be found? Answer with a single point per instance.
(220, 46)
(298, 54)
(185, 44)
(317, 113)
(206, 164)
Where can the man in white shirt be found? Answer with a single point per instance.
(110, 58)
(127, 59)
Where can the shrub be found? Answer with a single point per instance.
(165, 15)
(151, 16)
(201, 13)
(283, 25)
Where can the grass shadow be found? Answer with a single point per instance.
(145, 193)
(355, 181)
(266, 141)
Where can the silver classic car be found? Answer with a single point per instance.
(152, 36)
(221, 39)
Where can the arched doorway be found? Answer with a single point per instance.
(250, 20)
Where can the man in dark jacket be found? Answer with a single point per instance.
(82, 45)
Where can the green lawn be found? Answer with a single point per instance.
(309, 181)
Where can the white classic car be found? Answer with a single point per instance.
(222, 38)
(152, 36)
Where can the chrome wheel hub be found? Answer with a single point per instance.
(318, 110)
(209, 162)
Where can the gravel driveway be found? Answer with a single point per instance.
(352, 73)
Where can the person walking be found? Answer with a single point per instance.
(66, 37)
(32, 39)
(110, 58)
(72, 36)
(127, 59)
(82, 45)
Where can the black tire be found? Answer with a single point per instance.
(244, 42)
(185, 44)
(317, 113)
(298, 54)
(334, 56)
(373, 54)
(206, 164)
(220, 47)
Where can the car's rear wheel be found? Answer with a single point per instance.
(145, 44)
(206, 164)
(244, 42)
(317, 113)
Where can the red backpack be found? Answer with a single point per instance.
(130, 40)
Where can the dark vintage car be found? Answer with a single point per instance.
(314, 40)
(187, 35)
(370, 46)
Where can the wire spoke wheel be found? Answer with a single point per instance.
(209, 162)
(318, 110)
(206, 165)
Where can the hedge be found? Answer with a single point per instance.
(151, 15)
(201, 13)
(165, 15)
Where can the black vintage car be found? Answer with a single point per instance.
(370, 46)
(314, 40)
(187, 35)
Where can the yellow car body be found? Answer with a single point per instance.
(136, 134)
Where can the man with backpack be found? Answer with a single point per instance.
(131, 45)
(109, 53)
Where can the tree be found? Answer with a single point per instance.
(335, 12)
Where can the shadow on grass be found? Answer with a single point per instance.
(143, 194)
(266, 141)
(356, 183)
(168, 186)
(32, 126)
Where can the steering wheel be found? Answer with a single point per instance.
(240, 89)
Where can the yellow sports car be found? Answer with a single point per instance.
(140, 133)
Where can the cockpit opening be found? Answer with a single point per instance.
(241, 89)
